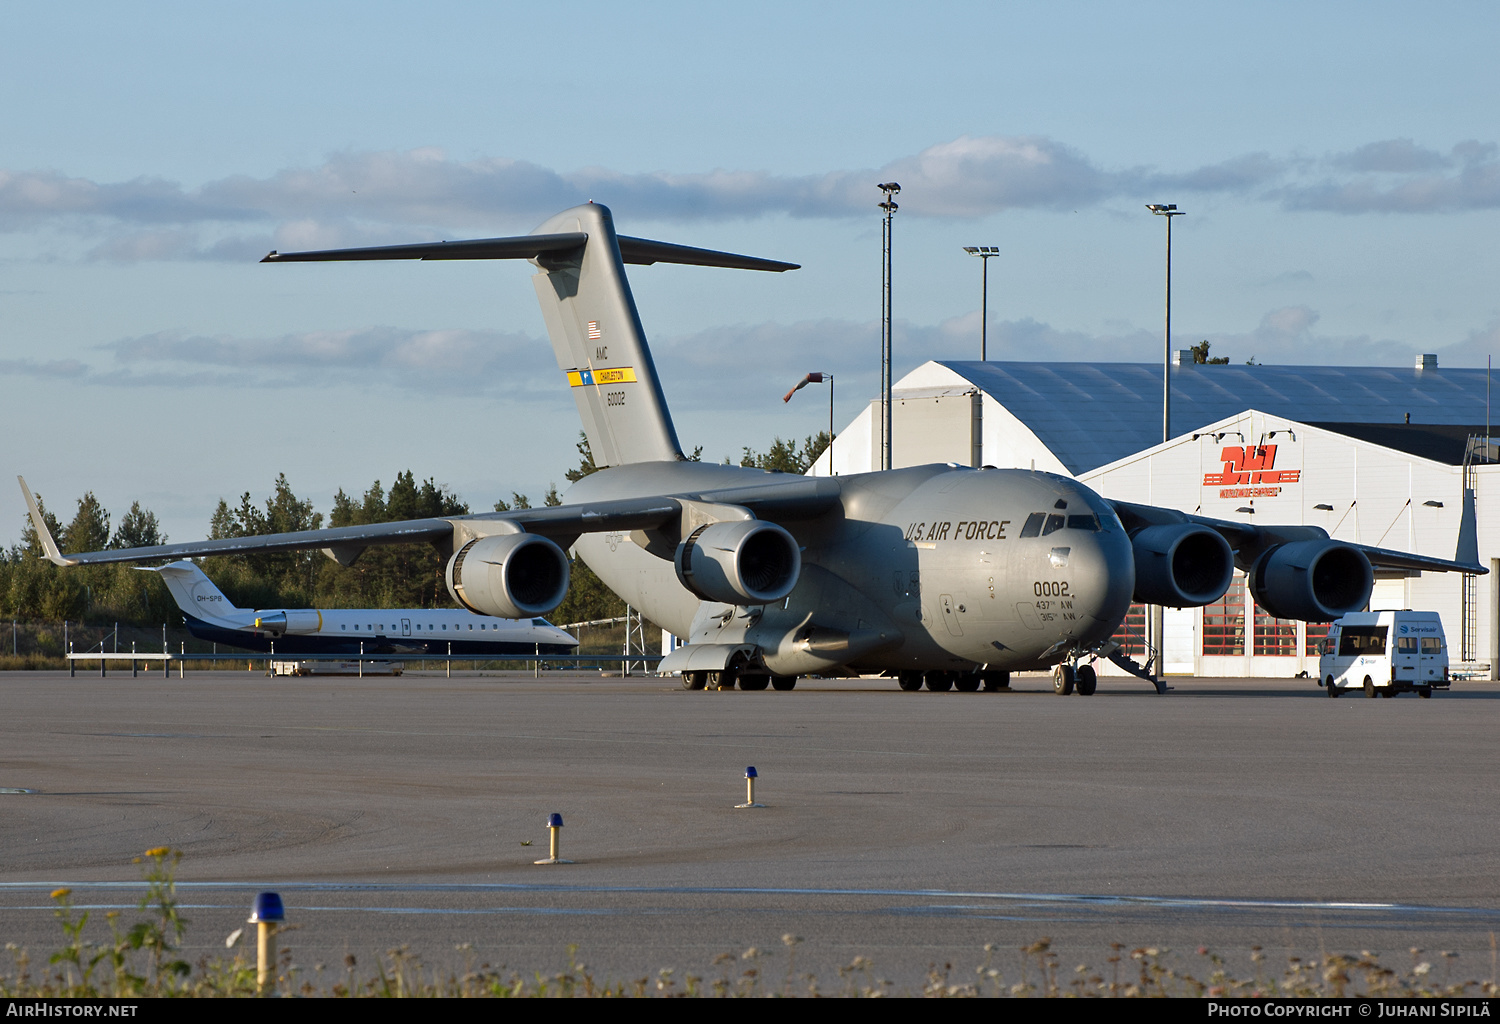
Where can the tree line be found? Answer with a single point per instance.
(384, 576)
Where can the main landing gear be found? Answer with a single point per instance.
(941, 681)
(729, 678)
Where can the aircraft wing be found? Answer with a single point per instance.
(1249, 541)
(798, 498)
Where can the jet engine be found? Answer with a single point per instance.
(1315, 580)
(513, 575)
(1181, 566)
(301, 620)
(740, 562)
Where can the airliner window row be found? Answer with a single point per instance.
(417, 626)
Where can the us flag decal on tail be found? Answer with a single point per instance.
(594, 333)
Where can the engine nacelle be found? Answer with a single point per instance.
(1181, 566)
(740, 562)
(513, 575)
(282, 621)
(1314, 580)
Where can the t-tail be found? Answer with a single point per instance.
(194, 592)
(591, 318)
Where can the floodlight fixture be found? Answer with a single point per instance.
(984, 252)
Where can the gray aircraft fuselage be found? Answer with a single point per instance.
(915, 569)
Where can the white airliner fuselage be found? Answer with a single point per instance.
(211, 616)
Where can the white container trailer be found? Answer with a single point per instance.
(1385, 653)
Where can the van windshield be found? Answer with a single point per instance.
(1361, 640)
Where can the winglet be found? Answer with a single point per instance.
(40, 525)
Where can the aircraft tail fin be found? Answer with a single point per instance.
(591, 318)
(193, 591)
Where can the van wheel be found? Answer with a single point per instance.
(1369, 687)
(1333, 691)
(1426, 692)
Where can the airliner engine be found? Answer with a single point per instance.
(1181, 566)
(305, 620)
(1316, 580)
(740, 562)
(513, 575)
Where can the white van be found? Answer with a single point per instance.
(1385, 653)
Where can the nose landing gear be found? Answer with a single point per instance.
(1081, 679)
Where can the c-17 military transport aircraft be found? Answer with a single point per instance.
(938, 574)
(349, 631)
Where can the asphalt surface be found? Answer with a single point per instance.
(907, 828)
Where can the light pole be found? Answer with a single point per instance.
(818, 378)
(889, 189)
(984, 252)
(1158, 614)
(1167, 210)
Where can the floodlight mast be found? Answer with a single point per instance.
(1167, 210)
(890, 189)
(1157, 613)
(819, 378)
(984, 252)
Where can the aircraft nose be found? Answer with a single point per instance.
(1102, 567)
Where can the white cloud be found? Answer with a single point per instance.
(368, 198)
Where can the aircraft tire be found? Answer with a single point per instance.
(939, 682)
(967, 682)
(1333, 691)
(1063, 680)
(694, 680)
(783, 682)
(724, 680)
(995, 680)
(754, 682)
(909, 681)
(1086, 681)
(1369, 688)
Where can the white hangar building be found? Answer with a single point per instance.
(1375, 455)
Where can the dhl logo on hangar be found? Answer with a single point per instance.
(1252, 464)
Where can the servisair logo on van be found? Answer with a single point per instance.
(1418, 627)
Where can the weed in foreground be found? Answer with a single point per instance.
(143, 959)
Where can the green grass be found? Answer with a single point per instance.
(142, 958)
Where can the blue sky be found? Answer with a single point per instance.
(1338, 163)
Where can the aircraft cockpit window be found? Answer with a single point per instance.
(1054, 523)
(1033, 527)
(1090, 523)
(540, 622)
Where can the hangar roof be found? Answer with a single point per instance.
(1092, 414)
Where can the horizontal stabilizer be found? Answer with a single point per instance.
(521, 247)
(642, 251)
(645, 252)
